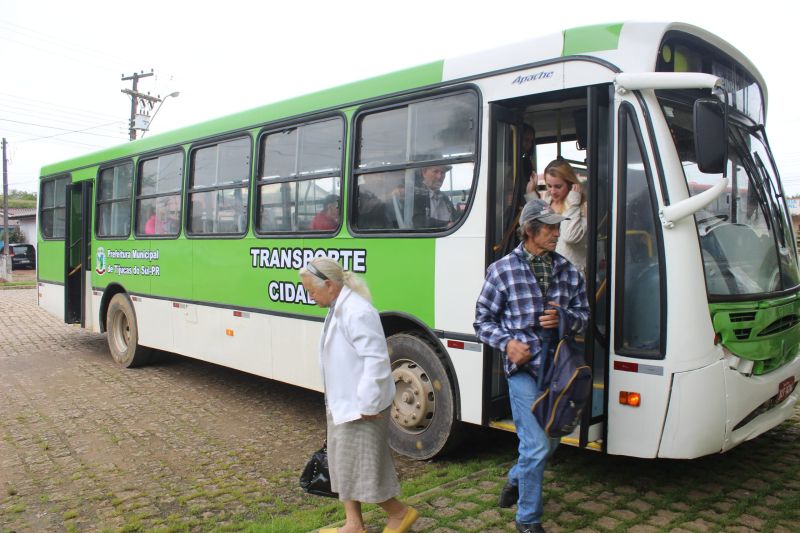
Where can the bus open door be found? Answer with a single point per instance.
(574, 125)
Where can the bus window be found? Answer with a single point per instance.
(219, 176)
(639, 293)
(159, 191)
(299, 188)
(433, 142)
(114, 189)
(745, 234)
(53, 206)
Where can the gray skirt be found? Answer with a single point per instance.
(360, 461)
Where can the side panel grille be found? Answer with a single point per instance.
(742, 317)
(782, 324)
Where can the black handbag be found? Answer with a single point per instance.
(315, 478)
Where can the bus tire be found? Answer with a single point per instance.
(123, 333)
(422, 417)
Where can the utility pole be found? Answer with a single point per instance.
(138, 98)
(5, 258)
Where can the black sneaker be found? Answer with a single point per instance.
(529, 528)
(508, 496)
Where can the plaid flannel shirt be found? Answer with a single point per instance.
(511, 303)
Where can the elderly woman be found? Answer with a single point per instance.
(358, 395)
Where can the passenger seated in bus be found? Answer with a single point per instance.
(433, 208)
(329, 217)
(169, 223)
(370, 202)
(150, 224)
(565, 195)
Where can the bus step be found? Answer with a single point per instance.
(508, 425)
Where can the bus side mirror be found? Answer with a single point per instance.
(710, 135)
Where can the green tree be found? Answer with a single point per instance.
(19, 199)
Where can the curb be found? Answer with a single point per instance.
(15, 287)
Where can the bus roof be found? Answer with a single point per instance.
(629, 46)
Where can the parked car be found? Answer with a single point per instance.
(22, 255)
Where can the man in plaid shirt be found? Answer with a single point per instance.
(513, 311)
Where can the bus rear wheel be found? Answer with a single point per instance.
(422, 415)
(123, 334)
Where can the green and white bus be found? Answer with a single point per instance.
(190, 241)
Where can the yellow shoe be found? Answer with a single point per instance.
(408, 521)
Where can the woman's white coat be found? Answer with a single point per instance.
(355, 360)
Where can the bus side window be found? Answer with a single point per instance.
(160, 178)
(299, 168)
(218, 187)
(638, 292)
(435, 141)
(114, 201)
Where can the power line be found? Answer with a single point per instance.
(58, 140)
(67, 131)
(51, 121)
(50, 110)
(31, 39)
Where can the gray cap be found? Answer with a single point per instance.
(540, 211)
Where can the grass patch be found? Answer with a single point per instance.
(17, 508)
(30, 284)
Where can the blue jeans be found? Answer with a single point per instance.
(534, 449)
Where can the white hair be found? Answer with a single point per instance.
(336, 274)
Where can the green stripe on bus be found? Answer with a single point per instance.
(262, 273)
(591, 39)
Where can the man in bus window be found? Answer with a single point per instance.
(328, 218)
(514, 311)
(433, 208)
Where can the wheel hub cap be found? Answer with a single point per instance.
(413, 407)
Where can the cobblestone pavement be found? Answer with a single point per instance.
(87, 445)
(188, 446)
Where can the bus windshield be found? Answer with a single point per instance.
(745, 234)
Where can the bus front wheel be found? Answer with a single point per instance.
(422, 419)
(123, 334)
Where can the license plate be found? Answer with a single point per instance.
(785, 388)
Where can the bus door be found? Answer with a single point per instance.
(77, 259)
(504, 178)
(574, 125)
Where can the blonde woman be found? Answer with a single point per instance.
(359, 390)
(565, 194)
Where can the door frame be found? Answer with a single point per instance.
(596, 162)
(77, 250)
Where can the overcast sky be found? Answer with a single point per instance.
(62, 61)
